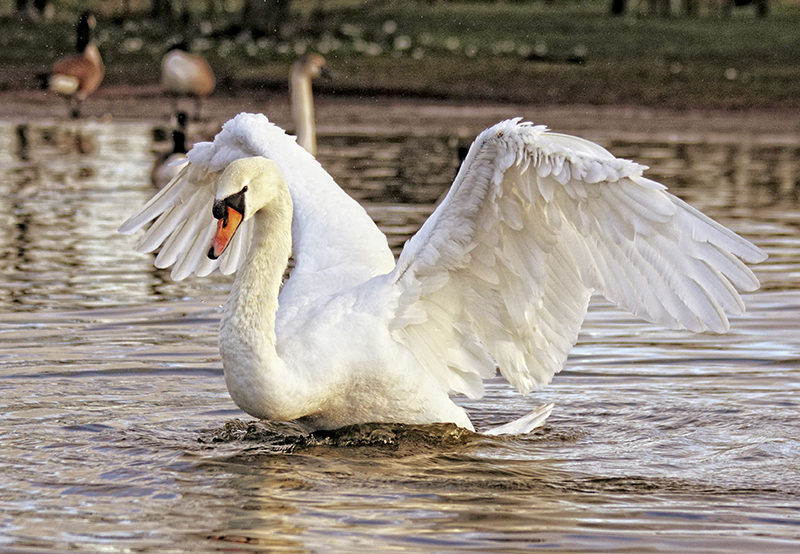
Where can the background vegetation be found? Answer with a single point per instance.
(545, 53)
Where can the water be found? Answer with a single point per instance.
(112, 392)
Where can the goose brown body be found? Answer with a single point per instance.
(77, 76)
(186, 75)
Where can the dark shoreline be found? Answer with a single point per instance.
(393, 115)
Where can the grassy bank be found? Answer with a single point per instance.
(520, 52)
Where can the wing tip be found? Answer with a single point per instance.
(756, 255)
(133, 224)
(128, 228)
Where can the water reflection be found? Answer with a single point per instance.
(737, 172)
(295, 501)
(66, 188)
(661, 441)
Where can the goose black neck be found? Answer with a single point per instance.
(84, 32)
(178, 142)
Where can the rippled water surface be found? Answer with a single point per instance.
(113, 400)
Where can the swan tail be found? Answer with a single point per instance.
(525, 424)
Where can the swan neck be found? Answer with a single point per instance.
(303, 110)
(255, 374)
(253, 301)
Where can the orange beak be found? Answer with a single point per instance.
(226, 227)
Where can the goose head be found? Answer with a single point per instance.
(246, 186)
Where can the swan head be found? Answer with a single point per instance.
(312, 66)
(246, 186)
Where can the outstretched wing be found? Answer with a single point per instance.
(534, 222)
(335, 243)
(184, 225)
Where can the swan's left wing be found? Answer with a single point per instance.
(534, 222)
(183, 223)
(181, 213)
(335, 243)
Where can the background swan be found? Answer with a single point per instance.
(189, 75)
(501, 272)
(302, 98)
(76, 77)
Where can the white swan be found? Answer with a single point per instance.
(302, 98)
(501, 272)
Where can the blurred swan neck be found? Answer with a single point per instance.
(303, 110)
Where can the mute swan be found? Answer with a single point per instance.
(169, 164)
(499, 276)
(302, 98)
(184, 74)
(76, 77)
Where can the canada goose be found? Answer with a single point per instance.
(500, 275)
(76, 77)
(184, 74)
(168, 164)
(302, 99)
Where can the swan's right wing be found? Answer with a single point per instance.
(535, 221)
